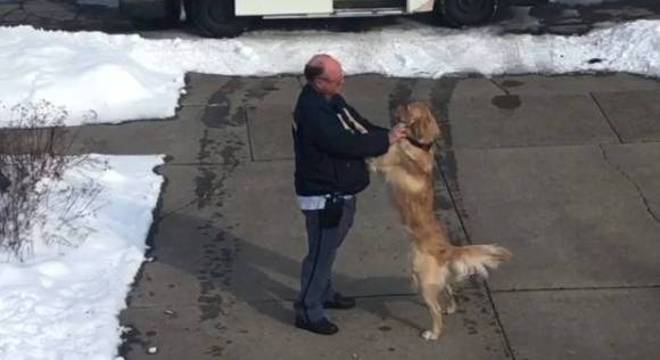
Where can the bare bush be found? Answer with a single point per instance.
(34, 202)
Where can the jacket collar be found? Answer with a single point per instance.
(308, 88)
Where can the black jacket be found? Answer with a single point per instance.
(330, 144)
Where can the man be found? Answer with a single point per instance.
(331, 141)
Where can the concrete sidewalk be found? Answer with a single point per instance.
(561, 170)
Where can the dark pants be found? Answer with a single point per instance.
(316, 278)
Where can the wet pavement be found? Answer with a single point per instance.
(564, 175)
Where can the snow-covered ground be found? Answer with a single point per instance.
(63, 302)
(123, 77)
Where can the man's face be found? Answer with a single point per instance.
(332, 80)
(332, 84)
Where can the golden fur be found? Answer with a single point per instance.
(436, 263)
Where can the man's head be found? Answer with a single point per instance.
(325, 74)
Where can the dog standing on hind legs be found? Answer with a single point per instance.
(436, 263)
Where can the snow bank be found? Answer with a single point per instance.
(64, 303)
(123, 77)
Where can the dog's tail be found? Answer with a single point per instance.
(476, 259)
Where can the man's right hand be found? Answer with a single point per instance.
(397, 133)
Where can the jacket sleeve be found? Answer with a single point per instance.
(363, 121)
(332, 138)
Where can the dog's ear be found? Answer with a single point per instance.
(426, 126)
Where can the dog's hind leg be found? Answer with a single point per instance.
(431, 279)
(451, 300)
(430, 293)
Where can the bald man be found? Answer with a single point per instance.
(331, 141)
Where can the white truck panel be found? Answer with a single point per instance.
(415, 6)
(282, 7)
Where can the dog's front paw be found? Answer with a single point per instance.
(429, 335)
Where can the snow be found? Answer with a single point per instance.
(63, 302)
(122, 77)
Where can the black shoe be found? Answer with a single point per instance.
(323, 326)
(340, 302)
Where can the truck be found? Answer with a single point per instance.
(229, 18)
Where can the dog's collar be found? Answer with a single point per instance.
(421, 145)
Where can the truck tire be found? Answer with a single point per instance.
(457, 13)
(155, 12)
(216, 18)
(173, 11)
(187, 7)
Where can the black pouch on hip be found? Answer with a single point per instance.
(330, 216)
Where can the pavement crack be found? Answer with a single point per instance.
(607, 118)
(177, 209)
(489, 292)
(499, 86)
(638, 189)
(244, 113)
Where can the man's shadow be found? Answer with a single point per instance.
(252, 280)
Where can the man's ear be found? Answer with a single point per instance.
(318, 85)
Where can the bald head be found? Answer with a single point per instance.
(324, 73)
(319, 64)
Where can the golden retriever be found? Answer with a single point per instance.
(436, 263)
